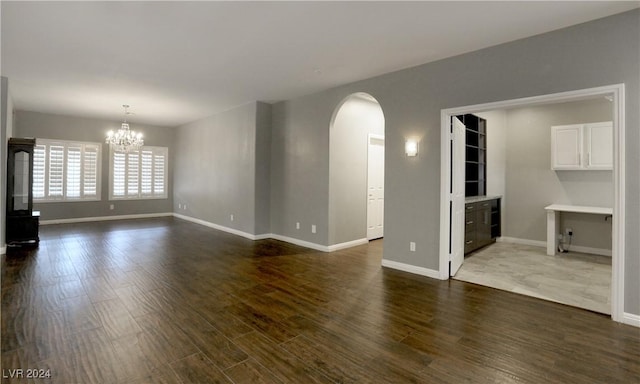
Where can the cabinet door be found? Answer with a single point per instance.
(483, 224)
(566, 147)
(599, 145)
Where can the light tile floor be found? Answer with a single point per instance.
(573, 278)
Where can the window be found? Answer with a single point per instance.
(139, 175)
(66, 171)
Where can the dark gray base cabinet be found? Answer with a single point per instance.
(482, 224)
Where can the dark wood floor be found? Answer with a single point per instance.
(168, 301)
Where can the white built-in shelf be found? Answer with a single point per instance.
(580, 209)
(553, 218)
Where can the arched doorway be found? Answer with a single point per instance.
(356, 171)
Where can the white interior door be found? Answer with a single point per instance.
(375, 188)
(457, 195)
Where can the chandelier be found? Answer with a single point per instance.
(125, 140)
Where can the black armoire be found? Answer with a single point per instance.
(22, 221)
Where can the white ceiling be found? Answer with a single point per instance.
(176, 62)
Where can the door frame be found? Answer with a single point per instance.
(369, 137)
(617, 92)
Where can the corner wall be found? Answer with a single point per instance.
(219, 161)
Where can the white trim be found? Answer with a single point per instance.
(619, 202)
(618, 232)
(631, 319)
(593, 251)
(291, 240)
(347, 244)
(3, 250)
(543, 244)
(221, 227)
(301, 243)
(515, 240)
(432, 273)
(104, 218)
(445, 193)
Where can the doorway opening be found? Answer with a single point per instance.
(452, 226)
(356, 172)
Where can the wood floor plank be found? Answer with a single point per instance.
(198, 369)
(250, 372)
(167, 301)
(115, 318)
(166, 376)
(163, 340)
(284, 366)
(337, 367)
(262, 322)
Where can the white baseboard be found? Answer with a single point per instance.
(299, 242)
(537, 243)
(348, 244)
(104, 218)
(412, 269)
(222, 228)
(515, 240)
(593, 251)
(631, 319)
(302, 243)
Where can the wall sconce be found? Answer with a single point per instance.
(411, 147)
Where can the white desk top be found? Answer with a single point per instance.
(579, 209)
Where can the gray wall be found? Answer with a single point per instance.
(354, 121)
(300, 166)
(4, 113)
(532, 184)
(263, 169)
(219, 160)
(49, 126)
(593, 54)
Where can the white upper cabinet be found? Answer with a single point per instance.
(566, 147)
(582, 146)
(599, 145)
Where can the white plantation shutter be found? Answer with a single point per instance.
(140, 174)
(74, 163)
(56, 171)
(159, 173)
(39, 170)
(133, 174)
(146, 174)
(119, 171)
(90, 170)
(66, 171)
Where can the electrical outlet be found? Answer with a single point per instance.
(179, 206)
(185, 207)
(298, 225)
(112, 207)
(231, 217)
(313, 228)
(568, 231)
(412, 246)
